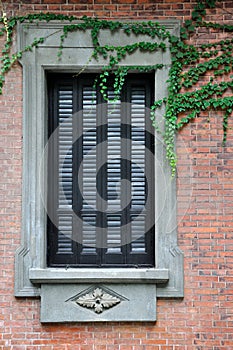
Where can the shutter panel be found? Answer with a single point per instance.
(65, 161)
(62, 248)
(89, 170)
(113, 175)
(65, 107)
(89, 234)
(64, 245)
(138, 186)
(100, 160)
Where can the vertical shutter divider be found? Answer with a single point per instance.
(150, 171)
(125, 170)
(88, 252)
(102, 178)
(52, 183)
(77, 159)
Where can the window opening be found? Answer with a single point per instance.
(99, 178)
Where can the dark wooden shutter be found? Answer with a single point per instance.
(92, 207)
(62, 249)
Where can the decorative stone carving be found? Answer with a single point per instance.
(175, 250)
(98, 300)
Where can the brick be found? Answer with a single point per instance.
(80, 2)
(48, 2)
(203, 319)
(123, 1)
(102, 2)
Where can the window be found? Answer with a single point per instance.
(106, 268)
(98, 219)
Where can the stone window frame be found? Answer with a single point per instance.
(31, 273)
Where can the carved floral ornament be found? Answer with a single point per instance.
(98, 300)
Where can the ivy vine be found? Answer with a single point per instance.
(188, 95)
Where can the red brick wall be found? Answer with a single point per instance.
(204, 318)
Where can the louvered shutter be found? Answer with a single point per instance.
(62, 249)
(98, 221)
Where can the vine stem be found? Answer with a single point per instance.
(86, 64)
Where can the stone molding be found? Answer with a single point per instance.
(31, 272)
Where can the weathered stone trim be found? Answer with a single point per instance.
(31, 273)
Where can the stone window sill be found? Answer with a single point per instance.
(95, 275)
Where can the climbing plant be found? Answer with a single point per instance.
(188, 93)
